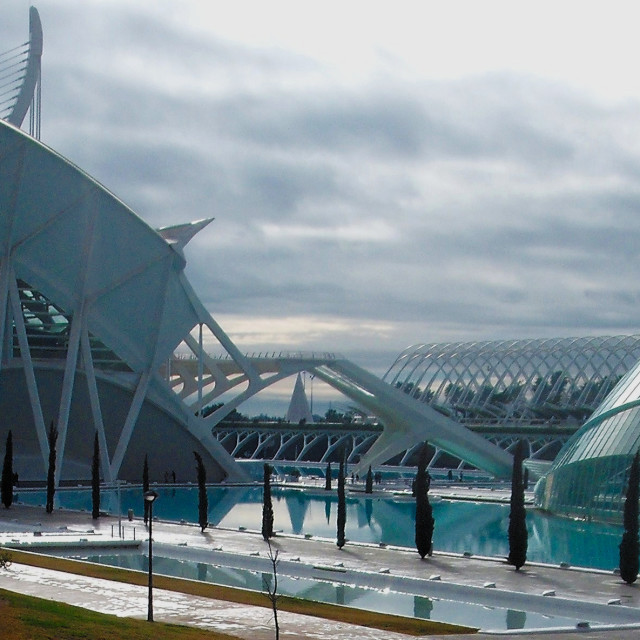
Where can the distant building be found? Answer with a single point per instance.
(515, 383)
(530, 387)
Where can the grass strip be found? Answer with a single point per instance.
(337, 613)
(29, 618)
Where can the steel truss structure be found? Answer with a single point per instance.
(515, 382)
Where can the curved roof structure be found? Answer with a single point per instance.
(589, 476)
(88, 290)
(515, 382)
(114, 269)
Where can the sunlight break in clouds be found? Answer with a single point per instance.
(291, 333)
(375, 231)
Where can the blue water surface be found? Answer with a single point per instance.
(478, 528)
(404, 604)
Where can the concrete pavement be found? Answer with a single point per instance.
(488, 581)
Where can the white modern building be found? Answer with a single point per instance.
(100, 331)
(93, 303)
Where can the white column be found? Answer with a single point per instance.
(96, 411)
(130, 422)
(200, 369)
(71, 365)
(4, 295)
(25, 356)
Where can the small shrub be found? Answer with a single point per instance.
(5, 559)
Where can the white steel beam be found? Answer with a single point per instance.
(96, 410)
(4, 296)
(129, 424)
(27, 363)
(64, 409)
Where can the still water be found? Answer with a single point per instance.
(385, 601)
(474, 527)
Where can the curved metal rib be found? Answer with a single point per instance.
(30, 85)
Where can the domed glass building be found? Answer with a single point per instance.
(589, 476)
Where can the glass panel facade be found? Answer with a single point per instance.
(589, 477)
(48, 325)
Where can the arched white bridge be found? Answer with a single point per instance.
(203, 380)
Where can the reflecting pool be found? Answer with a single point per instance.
(334, 592)
(476, 527)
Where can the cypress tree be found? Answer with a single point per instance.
(424, 513)
(51, 472)
(518, 514)
(368, 487)
(630, 546)
(342, 507)
(145, 487)
(267, 505)
(7, 473)
(327, 478)
(203, 501)
(95, 479)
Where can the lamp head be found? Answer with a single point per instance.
(150, 496)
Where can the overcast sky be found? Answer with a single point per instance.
(381, 173)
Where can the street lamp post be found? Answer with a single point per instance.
(150, 497)
(119, 509)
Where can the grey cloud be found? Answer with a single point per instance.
(325, 121)
(513, 200)
(429, 121)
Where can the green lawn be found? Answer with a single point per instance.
(28, 618)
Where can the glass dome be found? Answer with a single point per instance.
(589, 476)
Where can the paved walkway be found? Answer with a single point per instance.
(490, 581)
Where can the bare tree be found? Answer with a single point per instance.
(271, 587)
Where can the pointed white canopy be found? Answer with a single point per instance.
(179, 235)
(299, 407)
